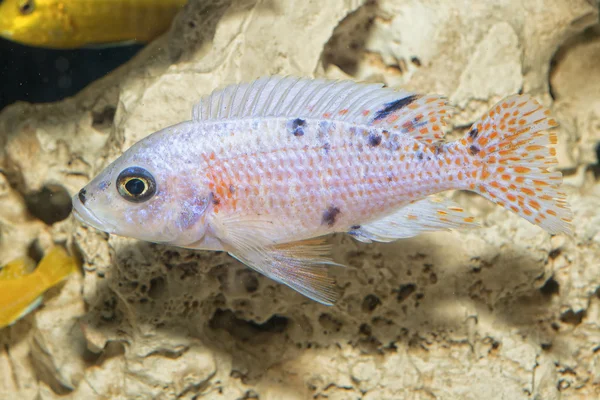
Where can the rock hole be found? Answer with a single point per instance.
(405, 291)
(103, 120)
(51, 204)
(347, 43)
(188, 270)
(35, 251)
(546, 346)
(572, 317)
(157, 287)
(330, 324)
(550, 287)
(596, 167)
(370, 303)
(554, 253)
(248, 279)
(246, 330)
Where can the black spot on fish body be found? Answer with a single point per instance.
(473, 150)
(355, 227)
(374, 139)
(473, 133)
(296, 126)
(326, 147)
(81, 196)
(394, 106)
(215, 199)
(420, 155)
(330, 215)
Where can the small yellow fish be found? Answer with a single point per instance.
(21, 291)
(265, 167)
(68, 24)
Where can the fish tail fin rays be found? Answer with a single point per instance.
(431, 214)
(56, 266)
(512, 152)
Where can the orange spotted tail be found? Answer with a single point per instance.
(512, 152)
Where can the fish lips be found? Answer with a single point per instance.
(86, 216)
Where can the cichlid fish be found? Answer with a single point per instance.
(21, 290)
(67, 24)
(264, 168)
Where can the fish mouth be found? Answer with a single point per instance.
(86, 216)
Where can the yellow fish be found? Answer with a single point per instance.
(68, 24)
(21, 291)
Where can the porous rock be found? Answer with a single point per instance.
(505, 311)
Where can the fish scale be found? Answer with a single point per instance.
(267, 168)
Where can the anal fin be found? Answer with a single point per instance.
(431, 214)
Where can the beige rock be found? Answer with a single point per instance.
(504, 311)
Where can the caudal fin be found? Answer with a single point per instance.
(512, 151)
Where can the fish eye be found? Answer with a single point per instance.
(135, 184)
(26, 6)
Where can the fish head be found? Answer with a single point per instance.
(29, 22)
(144, 195)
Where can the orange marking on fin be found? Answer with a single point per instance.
(484, 174)
(534, 147)
(412, 217)
(514, 208)
(494, 184)
(505, 177)
(553, 138)
(551, 212)
(469, 219)
(552, 151)
(442, 212)
(327, 115)
(528, 191)
(460, 175)
(521, 170)
(343, 112)
(511, 197)
(534, 204)
(366, 112)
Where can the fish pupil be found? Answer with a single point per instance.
(135, 186)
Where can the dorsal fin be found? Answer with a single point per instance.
(358, 103)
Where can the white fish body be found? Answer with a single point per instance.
(264, 168)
